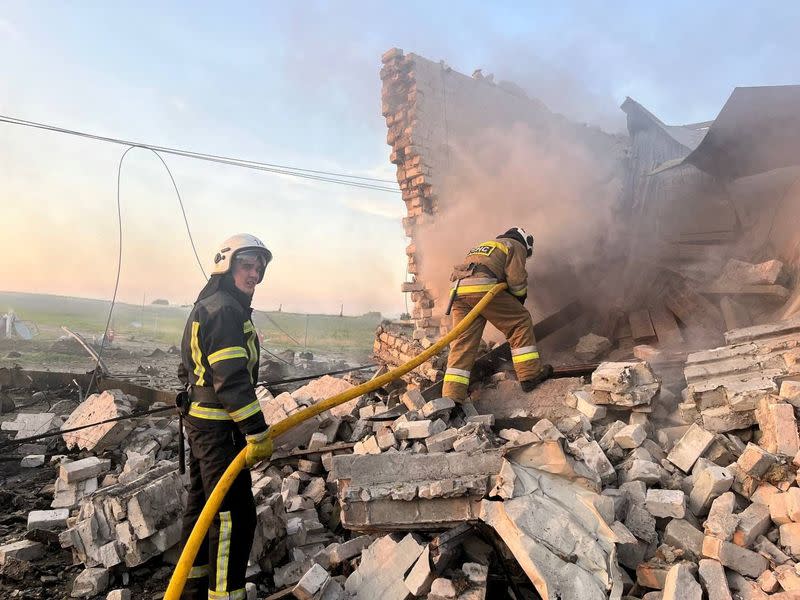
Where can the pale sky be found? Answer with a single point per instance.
(297, 84)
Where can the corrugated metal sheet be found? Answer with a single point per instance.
(757, 130)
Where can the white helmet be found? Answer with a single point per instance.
(239, 245)
(522, 236)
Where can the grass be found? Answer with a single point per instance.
(346, 337)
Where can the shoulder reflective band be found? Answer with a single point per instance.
(246, 411)
(248, 326)
(525, 353)
(197, 354)
(212, 414)
(457, 376)
(227, 354)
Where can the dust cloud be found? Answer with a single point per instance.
(553, 189)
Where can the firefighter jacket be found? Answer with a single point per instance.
(492, 262)
(219, 356)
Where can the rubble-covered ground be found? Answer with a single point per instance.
(670, 478)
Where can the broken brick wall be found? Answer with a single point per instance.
(475, 157)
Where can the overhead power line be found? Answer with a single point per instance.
(356, 181)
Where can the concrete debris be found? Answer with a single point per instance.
(602, 500)
(128, 523)
(591, 347)
(100, 407)
(624, 384)
(554, 530)
(90, 582)
(770, 272)
(31, 424)
(383, 569)
(412, 491)
(323, 388)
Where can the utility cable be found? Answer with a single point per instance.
(49, 434)
(116, 282)
(54, 128)
(183, 210)
(273, 355)
(357, 181)
(279, 328)
(307, 377)
(119, 253)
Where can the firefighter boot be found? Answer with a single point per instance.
(528, 385)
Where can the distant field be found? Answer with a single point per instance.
(344, 336)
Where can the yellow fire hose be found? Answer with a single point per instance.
(179, 576)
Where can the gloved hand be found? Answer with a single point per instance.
(259, 447)
(522, 298)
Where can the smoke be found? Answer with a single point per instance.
(549, 183)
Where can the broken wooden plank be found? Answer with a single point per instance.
(555, 321)
(667, 330)
(641, 325)
(735, 314)
(623, 330)
(693, 309)
(732, 289)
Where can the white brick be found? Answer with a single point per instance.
(49, 520)
(690, 447)
(709, 484)
(84, 469)
(630, 436)
(312, 583)
(414, 430)
(666, 503)
(32, 461)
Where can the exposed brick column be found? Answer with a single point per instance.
(402, 102)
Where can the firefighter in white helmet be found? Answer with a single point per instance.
(488, 263)
(219, 367)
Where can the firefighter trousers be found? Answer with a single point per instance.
(509, 316)
(218, 572)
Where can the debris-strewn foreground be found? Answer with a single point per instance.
(623, 489)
